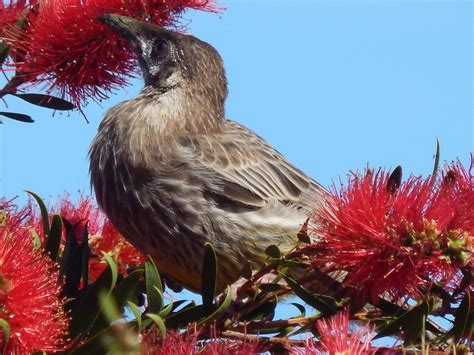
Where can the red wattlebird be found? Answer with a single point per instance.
(172, 173)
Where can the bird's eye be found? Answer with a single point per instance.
(160, 49)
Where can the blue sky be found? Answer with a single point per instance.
(333, 85)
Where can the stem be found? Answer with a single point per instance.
(253, 326)
(11, 86)
(263, 340)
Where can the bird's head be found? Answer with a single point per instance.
(169, 59)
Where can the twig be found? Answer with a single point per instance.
(253, 326)
(263, 340)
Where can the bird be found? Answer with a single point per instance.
(172, 173)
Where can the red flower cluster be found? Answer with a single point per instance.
(11, 13)
(103, 236)
(65, 46)
(29, 291)
(398, 242)
(336, 338)
(187, 342)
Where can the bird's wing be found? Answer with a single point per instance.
(249, 171)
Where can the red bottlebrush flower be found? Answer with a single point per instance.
(29, 292)
(396, 242)
(10, 13)
(174, 342)
(336, 338)
(103, 236)
(110, 240)
(188, 342)
(73, 53)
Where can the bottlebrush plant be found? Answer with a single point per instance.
(385, 258)
(60, 46)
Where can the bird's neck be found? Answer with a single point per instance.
(179, 111)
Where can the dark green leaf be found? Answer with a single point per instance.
(17, 116)
(411, 321)
(108, 306)
(185, 316)
(270, 287)
(300, 308)
(303, 234)
(159, 323)
(247, 271)
(437, 157)
(273, 251)
(325, 304)
(461, 317)
(47, 101)
(263, 311)
(87, 310)
(54, 238)
(154, 288)
(6, 333)
(85, 253)
(394, 180)
(43, 210)
(125, 291)
(222, 307)
(4, 51)
(71, 263)
(176, 305)
(209, 277)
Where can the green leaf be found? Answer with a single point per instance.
(262, 311)
(209, 277)
(87, 310)
(461, 317)
(412, 322)
(53, 240)
(300, 308)
(17, 116)
(125, 291)
(437, 157)
(43, 210)
(47, 101)
(108, 306)
(222, 307)
(154, 288)
(185, 316)
(159, 323)
(6, 334)
(136, 313)
(167, 310)
(273, 251)
(325, 304)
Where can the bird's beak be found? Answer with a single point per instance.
(127, 27)
(131, 29)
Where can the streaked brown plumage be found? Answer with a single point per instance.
(172, 173)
